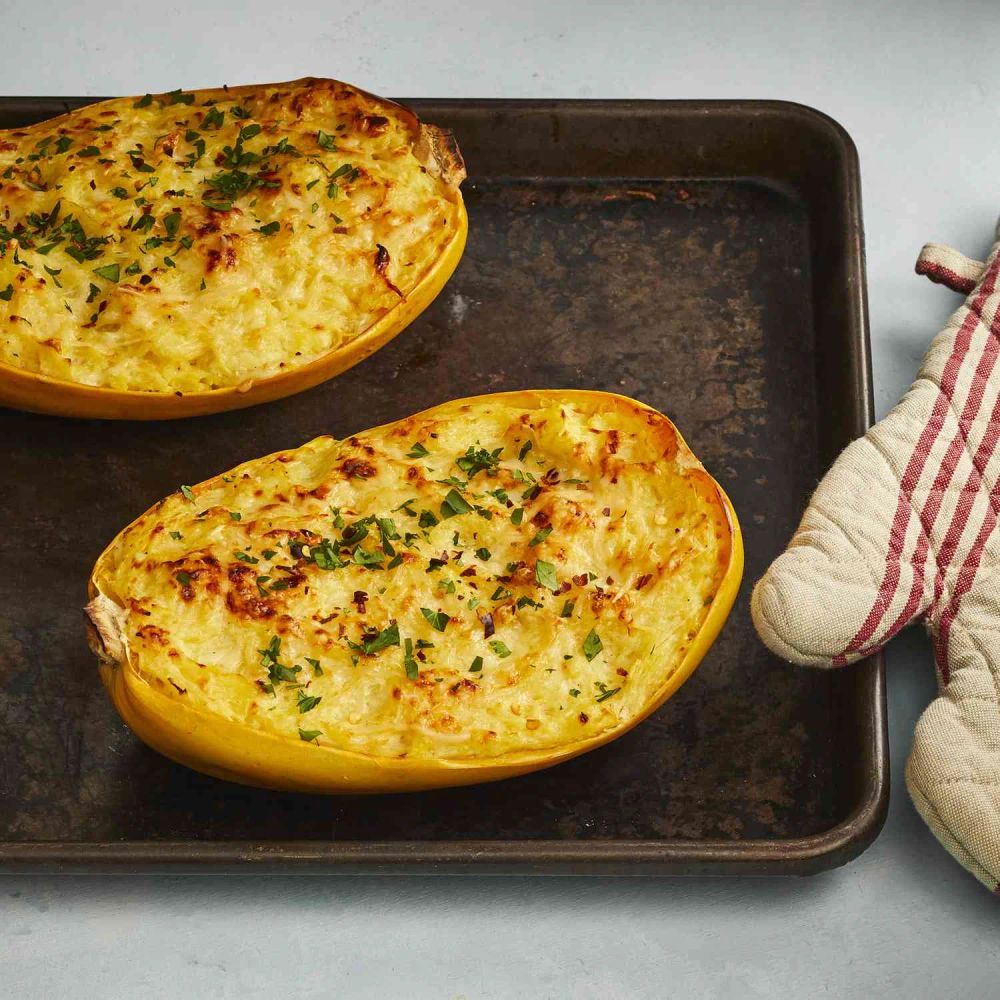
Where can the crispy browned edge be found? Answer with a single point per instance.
(436, 148)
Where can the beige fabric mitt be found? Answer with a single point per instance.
(902, 527)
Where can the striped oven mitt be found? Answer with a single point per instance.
(904, 526)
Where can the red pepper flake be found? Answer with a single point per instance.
(359, 598)
(382, 264)
(643, 580)
(488, 627)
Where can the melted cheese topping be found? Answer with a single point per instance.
(517, 571)
(198, 240)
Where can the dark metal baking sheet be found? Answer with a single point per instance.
(703, 257)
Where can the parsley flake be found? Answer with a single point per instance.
(110, 272)
(592, 645)
(541, 536)
(438, 619)
(454, 503)
(545, 574)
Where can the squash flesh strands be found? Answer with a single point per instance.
(483, 589)
(206, 250)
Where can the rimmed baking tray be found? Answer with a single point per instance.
(705, 257)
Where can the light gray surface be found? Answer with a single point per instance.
(916, 86)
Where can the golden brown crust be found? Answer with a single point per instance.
(537, 582)
(202, 240)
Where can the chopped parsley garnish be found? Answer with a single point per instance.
(110, 272)
(500, 594)
(309, 735)
(387, 529)
(316, 668)
(484, 554)
(236, 515)
(605, 691)
(307, 702)
(213, 118)
(246, 557)
(324, 555)
(518, 516)
(574, 692)
(324, 140)
(268, 553)
(438, 619)
(188, 493)
(249, 131)
(184, 579)
(269, 230)
(427, 519)
(88, 151)
(277, 671)
(144, 101)
(417, 451)
(592, 645)
(541, 536)
(525, 448)
(567, 609)
(172, 222)
(176, 536)
(375, 642)
(409, 663)
(500, 648)
(370, 559)
(454, 503)
(545, 574)
(477, 665)
(478, 460)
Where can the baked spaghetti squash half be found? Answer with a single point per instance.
(487, 588)
(184, 253)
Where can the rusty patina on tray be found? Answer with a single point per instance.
(705, 258)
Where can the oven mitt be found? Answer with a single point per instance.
(903, 527)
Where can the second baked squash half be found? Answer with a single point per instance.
(483, 589)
